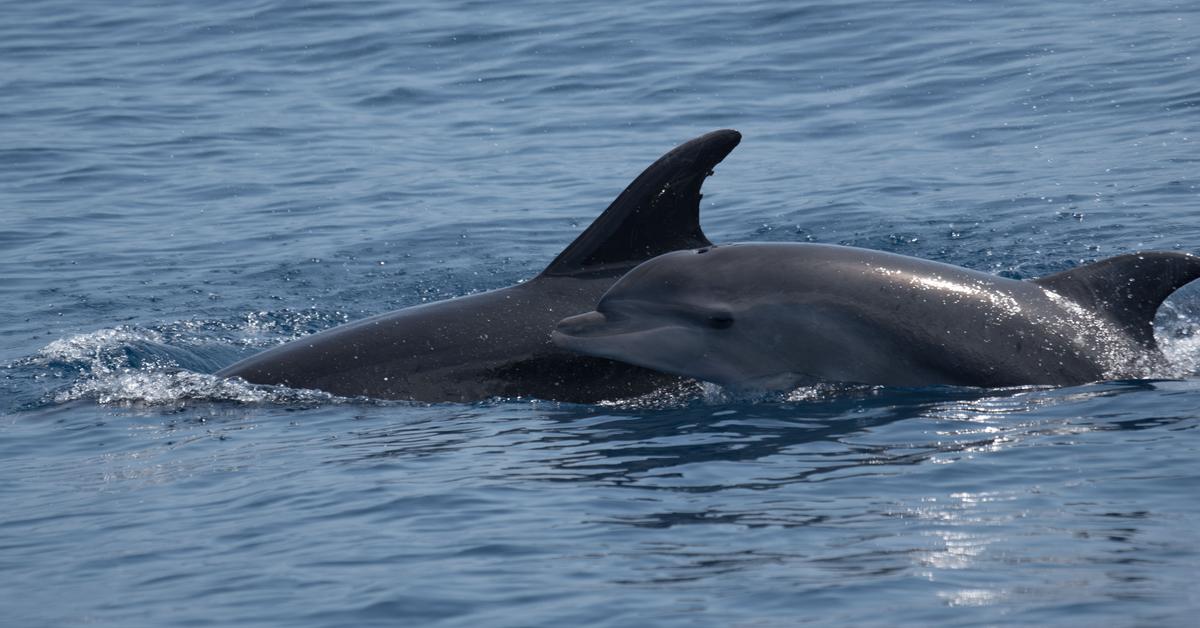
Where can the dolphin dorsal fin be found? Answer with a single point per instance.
(1127, 289)
(659, 212)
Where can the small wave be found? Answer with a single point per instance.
(95, 350)
(122, 348)
(135, 387)
(167, 364)
(179, 343)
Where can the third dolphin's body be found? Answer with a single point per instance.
(773, 316)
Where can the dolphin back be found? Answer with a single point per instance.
(659, 212)
(1127, 289)
(497, 343)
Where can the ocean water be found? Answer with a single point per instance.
(183, 184)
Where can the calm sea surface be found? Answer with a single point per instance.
(183, 184)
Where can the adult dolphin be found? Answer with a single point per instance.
(497, 344)
(775, 316)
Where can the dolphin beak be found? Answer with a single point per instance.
(580, 333)
(586, 324)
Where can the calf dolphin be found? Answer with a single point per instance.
(497, 343)
(775, 316)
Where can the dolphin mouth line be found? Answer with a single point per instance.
(586, 342)
(599, 326)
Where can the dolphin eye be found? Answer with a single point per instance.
(720, 320)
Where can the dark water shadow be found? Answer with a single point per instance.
(611, 444)
(624, 447)
(834, 433)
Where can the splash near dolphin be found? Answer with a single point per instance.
(775, 316)
(497, 344)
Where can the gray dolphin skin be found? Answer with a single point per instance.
(769, 317)
(497, 343)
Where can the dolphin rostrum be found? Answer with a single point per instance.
(762, 317)
(497, 343)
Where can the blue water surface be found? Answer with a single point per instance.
(183, 184)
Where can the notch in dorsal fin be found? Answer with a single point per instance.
(659, 212)
(1127, 289)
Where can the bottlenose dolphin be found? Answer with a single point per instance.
(763, 317)
(497, 343)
